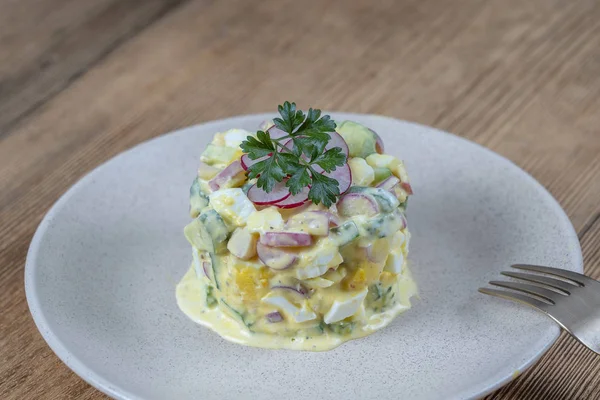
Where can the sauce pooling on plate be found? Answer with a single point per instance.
(272, 269)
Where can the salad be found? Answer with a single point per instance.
(299, 236)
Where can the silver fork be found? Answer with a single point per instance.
(572, 300)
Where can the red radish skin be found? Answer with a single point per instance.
(379, 147)
(206, 268)
(357, 204)
(275, 258)
(336, 140)
(389, 183)
(274, 317)
(406, 186)
(259, 197)
(300, 290)
(247, 162)
(294, 201)
(343, 175)
(286, 239)
(226, 175)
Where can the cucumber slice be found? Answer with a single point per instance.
(211, 300)
(196, 233)
(387, 201)
(381, 174)
(361, 141)
(198, 200)
(344, 233)
(215, 226)
(238, 316)
(383, 225)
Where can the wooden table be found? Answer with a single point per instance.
(82, 80)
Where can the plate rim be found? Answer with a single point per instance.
(100, 383)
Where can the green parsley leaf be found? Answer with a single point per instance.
(297, 162)
(323, 190)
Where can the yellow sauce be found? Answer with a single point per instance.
(191, 298)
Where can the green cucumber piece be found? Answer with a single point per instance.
(216, 228)
(195, 232)
(381, 174)
(386, 200)
(342, 327)
(344, 233)
(383, 225)
(198, 199)
(239, 316)
(361, 141)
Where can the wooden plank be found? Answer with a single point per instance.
(521, 78)
(45, 45)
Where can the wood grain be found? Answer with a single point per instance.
(522, 78)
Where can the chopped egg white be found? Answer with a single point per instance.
(233, 205)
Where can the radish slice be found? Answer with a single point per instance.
(275, 258)
(274, 317)
(276, 133)
(357, 204)
(344, 177)
(379, 147)
(231, 171)
(299, 290)
(294, 201)
(337, 141)
(259, 197)
(206, 268)
(286, 239)
(389, 183)
(247, 162)
(406, 186)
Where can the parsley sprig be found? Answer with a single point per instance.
(299, 158)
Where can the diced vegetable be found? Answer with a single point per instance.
(233, 175)
(383, 225)
(286, 239)
(345, 308)
(207, 172)
(407, 188)
(312, 222)
(235, 314)
(353, 204)
(344, 233)
(379, 147)
(381, 174)
(361, 141)
(242, 244)
(198, 200)
(342, 327)
(319, 282)
(233, 205)
(274, 317)
(362, 173)
(218, 155)
(275, 258)
(382, 161)
(265, 220)
(260, 197)
(196, 233)
(386, 201)
(389, 183)
(216, 228)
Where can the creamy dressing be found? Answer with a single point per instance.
(191, 299)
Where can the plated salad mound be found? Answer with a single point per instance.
(299, 236)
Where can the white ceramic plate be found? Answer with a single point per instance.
(103, 265)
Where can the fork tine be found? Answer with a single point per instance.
(562, 286)
(542, 293)
(579, 279)
(520, 298)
